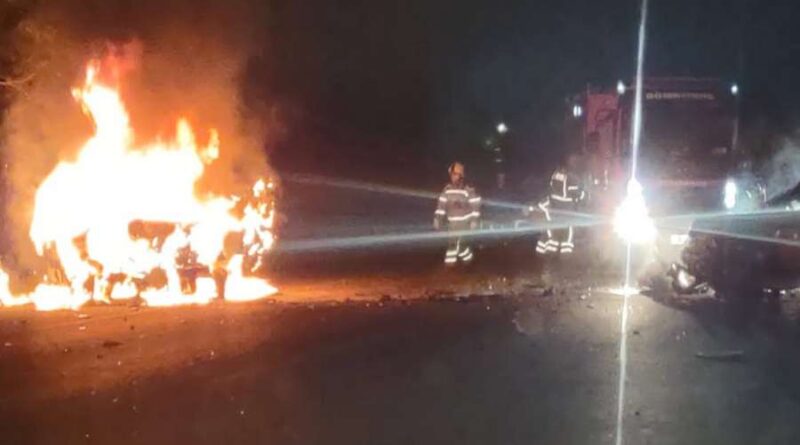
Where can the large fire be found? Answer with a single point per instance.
(124, 221)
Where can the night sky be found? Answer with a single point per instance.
(395, 90)
(415, 83)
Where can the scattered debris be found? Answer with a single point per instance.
(8, 344)
(583, 297)
(81, 328)
(83, 316)
(721, 356)
(636, 332)
(548, 292)
(115, 400)
(111, 344)
(590, 306)
(67, 350)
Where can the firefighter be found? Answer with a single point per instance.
(459, 207)
(564, 193)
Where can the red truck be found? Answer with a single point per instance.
(688, 162)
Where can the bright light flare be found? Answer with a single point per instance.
(729, 198)
(631, 219)
(685, 280)
(624, 291)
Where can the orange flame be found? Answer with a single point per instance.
(84, 210)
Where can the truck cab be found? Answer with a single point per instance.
(688, 158)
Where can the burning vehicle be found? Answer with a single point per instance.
(124, 219)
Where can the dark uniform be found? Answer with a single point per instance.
(460, 207)
(566, 191)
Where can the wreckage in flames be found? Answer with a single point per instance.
(124, 221)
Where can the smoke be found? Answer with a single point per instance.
(782, 170)
(180, 58)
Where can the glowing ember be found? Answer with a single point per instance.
(87, 210)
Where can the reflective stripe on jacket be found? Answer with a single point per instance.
(565, 187)
(458, 204)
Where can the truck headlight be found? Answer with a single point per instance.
(631, 220)
(729, 196)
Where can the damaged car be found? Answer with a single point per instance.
(744, 254)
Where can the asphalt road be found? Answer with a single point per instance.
(404, 353)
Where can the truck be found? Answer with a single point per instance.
(688, 162)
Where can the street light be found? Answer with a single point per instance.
(620, 88)
(735, 89)
(502, 128)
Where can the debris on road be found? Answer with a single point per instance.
(81, 328)
(83, 316)
(721, 356)
(111, 344)
(8, 344)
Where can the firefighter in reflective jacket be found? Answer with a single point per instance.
(459, 207)
(565, 192)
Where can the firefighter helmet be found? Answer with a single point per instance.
(456, 167)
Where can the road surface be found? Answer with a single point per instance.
(389, 349)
